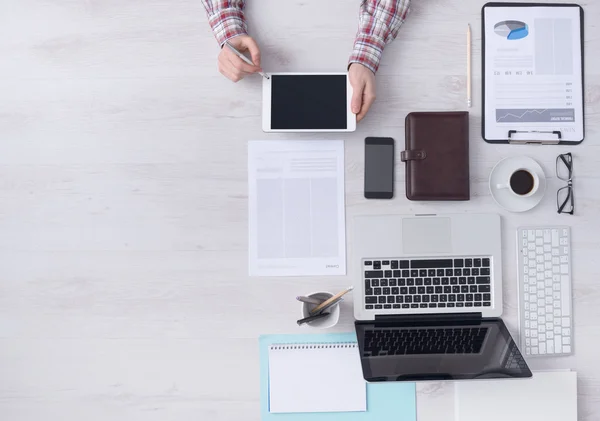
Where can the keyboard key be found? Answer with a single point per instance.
(449, 272)
(441, 305)
(394, 264)
(377, 291)
(460, 304)
(391, 299)
(431, 272)
(466, 272)
(485, 262)
(477, 304)
(410, 282)
(443, 298)
(419, 282)
(478, 297)
(464, 289)
(388, 273)
(425, 298)
(387, 306)
(458, 263)
(482, 280)
(404, 264)
(381, 299)
(468, 263)
(378, 306)
(429, 290)
(477, 263)
(473, 288)
(440, 272)
(434, 298)
(487, 297)
(452, 297)
(396, 306)
(414, 306)
(423, 305)
(393, 282)
(468, 304)
(475, 272)
(405, 305)
(423, 272)
(453, 281)
(417, 299)
(445, 281)
(374, 273)
(412, 290)
(471, 280)
(401, 282)
(436, 281)
(385, 263)
(484, 288)
(469, 297)
(426, 264)
(487, 304)
(484, 271)
(405, 273)
(368, 263)
(383, 282)
(457, 272)
(450, 304)
(414, 273)
(368, 291)
(438, 290)
(396, 273)
(375, 282)
(400, 299)
(462, 280)
(447, 289)
(387, 291)
(403, 290)
(421, 290)
(370, 300)
(395, 290)
(369, 306)
(376, 264)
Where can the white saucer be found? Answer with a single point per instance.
(504, 197)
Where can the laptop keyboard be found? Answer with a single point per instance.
(382, 342)
(427, 283)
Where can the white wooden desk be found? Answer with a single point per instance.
(124, 292)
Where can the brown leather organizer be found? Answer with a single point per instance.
(437, 156)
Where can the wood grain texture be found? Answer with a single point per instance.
(124, 292)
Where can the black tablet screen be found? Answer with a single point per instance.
(308, 102)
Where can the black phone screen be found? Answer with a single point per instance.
(379, 168)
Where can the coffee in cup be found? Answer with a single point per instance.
(522, 182)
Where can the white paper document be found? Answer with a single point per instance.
(296, 209)
(533, 73)
(548, 396)
(316, 378)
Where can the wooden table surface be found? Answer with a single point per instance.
(124, 288)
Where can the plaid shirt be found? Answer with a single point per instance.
(378, 25)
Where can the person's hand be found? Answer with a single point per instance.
(362, 80)
(233, 67)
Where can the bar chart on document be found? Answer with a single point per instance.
(533, 72)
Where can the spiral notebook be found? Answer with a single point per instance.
(316, 377)
(384, 401)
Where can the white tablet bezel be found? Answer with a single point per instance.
(266, 112)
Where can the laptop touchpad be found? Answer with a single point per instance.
(426, 235)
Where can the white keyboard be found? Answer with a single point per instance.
(545, 303)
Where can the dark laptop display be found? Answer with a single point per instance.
(427, 349)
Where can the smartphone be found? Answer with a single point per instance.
(379, 167)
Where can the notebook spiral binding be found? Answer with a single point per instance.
(333, 345)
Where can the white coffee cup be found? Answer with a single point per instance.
(511, 184)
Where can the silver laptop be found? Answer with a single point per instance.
(427, 264)
(430, 297)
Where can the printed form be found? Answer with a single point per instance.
(533, 72)
(297, 221)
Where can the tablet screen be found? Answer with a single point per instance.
(308, 102)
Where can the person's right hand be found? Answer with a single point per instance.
(233, 67)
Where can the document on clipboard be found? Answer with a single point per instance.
(533, 73)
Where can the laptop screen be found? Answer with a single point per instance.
(438, 351)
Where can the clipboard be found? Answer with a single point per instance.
(556, 116)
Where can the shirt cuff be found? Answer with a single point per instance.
(228, 23)
(367, 51)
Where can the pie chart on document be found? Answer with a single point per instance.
(511, 29)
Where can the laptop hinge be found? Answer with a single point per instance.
(448, 317)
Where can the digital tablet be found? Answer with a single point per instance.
(307, 102)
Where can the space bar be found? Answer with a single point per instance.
(424, 264)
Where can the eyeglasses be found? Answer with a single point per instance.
(564, 171)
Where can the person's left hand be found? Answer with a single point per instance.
(362, 80)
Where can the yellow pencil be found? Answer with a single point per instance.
(335, 297)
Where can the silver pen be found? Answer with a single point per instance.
(244, 58)
(309, 300)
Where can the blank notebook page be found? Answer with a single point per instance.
(316, 378)
(548, 396)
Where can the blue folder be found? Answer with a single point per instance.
(385, 401)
